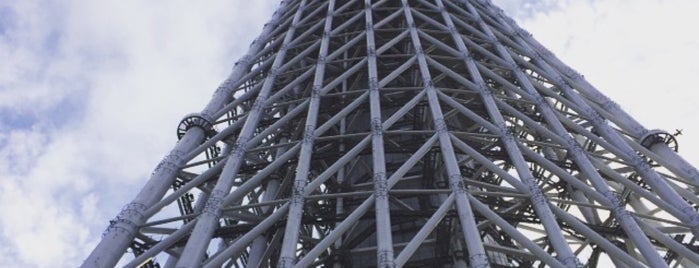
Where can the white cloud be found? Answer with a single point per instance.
(91, 96)
(643, 54)
(91, 93)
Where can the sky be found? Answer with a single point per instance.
(91, 93)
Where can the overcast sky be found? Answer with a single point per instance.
(91, 93)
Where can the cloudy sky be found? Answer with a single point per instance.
(91, 93)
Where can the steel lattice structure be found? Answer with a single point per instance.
(421, 133)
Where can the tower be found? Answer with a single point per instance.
(423, 133)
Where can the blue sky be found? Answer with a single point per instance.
(91, 93)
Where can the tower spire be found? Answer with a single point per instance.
(415, 132)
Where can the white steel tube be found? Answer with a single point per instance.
(384, 237)
(287, 255)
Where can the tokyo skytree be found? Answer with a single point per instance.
(408, 133)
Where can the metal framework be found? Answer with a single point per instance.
(421, 133)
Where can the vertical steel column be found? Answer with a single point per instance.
(384, 237)
(121, 233)
(293, 222)
(538, 199)
(477, 256)
(207, 222)
(624, 218)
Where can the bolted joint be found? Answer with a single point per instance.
(466, 55)
(452, 29)
(514, 67)
(384, 259)
(309, 135)
(457, 184)
(608, 104)
(299, 192)
(594, 116)
(316, 91)
(371, 52)
(440, 125)
(380, 185)
(376, 126)
(504, 130)
(213, 204)
(169, 164)
(322, 60)
(573, 146)
(285, 262)
(127, 220)
(535, 55)
(202, 121)
(373, 83)
(569, 72)
(536, 195)
(484, 90)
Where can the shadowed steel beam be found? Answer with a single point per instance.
(361, 209)
(425, 231)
